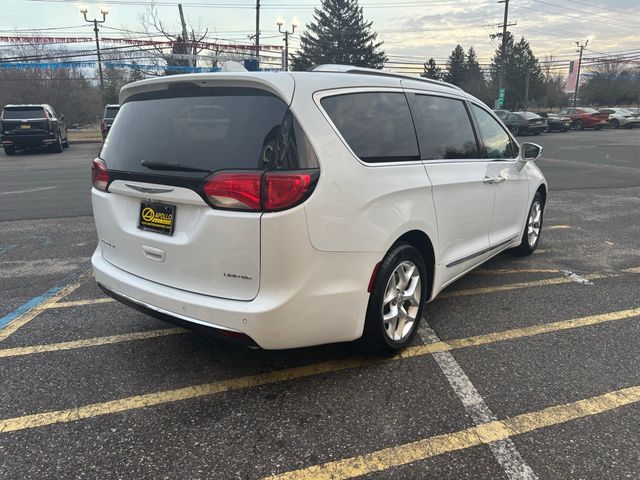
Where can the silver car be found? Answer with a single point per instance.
(622, 117)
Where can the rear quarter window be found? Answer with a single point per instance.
(377, 126)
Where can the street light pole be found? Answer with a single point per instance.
(286, 42)
(95, 22)
(575, 91)
(504, 44)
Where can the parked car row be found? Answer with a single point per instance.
(577, 118)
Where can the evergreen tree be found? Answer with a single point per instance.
(431, 70)
(339, 34)
(520, 63)
(456, 67)
(474, 82)
(136, 72)
(178, 48)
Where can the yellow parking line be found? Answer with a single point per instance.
(467, 438)
(169, 396)
(508, 271)
(514, 286)
(77, 303)
(632, 270)
(89, 342)
(34, 312)
(457, 293)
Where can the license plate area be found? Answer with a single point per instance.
(157, 217)
(25, 126)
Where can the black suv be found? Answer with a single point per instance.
(23, 126)
(110, 112)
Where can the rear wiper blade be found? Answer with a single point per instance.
(171, 166)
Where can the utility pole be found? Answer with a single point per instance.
(185, 36)
(504, 44)
(575, 92)
(258, 33)
(285, 63)
(95, 22)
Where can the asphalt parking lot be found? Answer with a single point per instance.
(526, 368)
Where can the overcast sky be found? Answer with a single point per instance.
(412, 30)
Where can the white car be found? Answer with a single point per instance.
(622, 117)
(293, 209)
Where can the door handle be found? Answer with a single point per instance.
(498, 179)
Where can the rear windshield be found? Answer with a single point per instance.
(206, 128)
(110, 112)
(23, 113)
(530, 115)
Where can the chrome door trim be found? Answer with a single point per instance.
(481, 252)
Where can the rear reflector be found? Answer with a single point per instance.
(284, 190)
(99, 174)
(236, 191)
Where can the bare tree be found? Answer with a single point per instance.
(175, 52)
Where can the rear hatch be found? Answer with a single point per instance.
(534, 120)
(161, 148)
(24, 120)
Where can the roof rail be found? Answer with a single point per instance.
(337, 68)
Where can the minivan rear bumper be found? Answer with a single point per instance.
(325, 309)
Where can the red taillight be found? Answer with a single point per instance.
(259, 191)
(237, 191)
(103, 125)
(283, 190)
(99, 174)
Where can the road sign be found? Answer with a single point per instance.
(501, 98)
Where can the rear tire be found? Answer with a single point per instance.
(396, 302)
(533, 227)
(579, 125)
(10, 150)
(65, 142)
(57, 147)
(614, 123)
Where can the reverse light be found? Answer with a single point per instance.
(99, 174)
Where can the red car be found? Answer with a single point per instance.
(582, 118)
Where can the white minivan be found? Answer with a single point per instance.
(293, 209)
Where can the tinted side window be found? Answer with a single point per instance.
(496, 141)
(444, 129)
(376, 125)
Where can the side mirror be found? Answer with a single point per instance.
(530, 151)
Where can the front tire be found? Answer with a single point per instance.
(396, 302)
(614, 123)
(579, 125)
(533, 227)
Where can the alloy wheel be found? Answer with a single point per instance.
(401, 301)
(534, 223)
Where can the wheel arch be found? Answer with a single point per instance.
(421, 241)
(543, 191)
